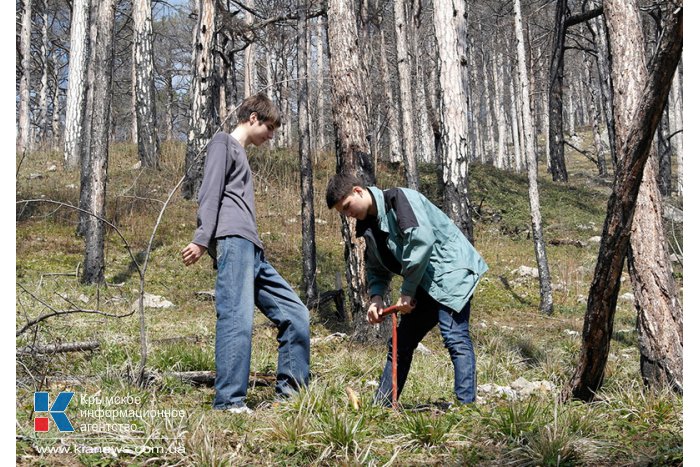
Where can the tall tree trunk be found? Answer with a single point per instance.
(391, 111)
(490, 106)
(45, 64)
(134, 113)
(595, 119)
(451, 33)
(660, 318)
(77, 70)
(149, 146)
(556, 80)
(86, 127)
(500, 110)
(600, 38)
(546, 301)
(676, 104)
(320, 73)
(406, 96)
(636, 141)
(664, 152)
(352, 149)
(570, 108)
(308, 228)
(515, 161)
(99, 142)
(202, 110)
(249, 58)
(169, 96)
(424, 148)
(23, 141)
(55, 101)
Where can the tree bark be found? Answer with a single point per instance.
(149, 146)
(556, 80)
(391, 112)
(320, 73)
(676, 104)
(99, 142)
(500, 110)
(425, 150)
(600, 38)
(546, 301)
(23, 141)
(77, 70)
(308, 228)
(660, 319)
(249, 58)
(202, 105)
(637, 141)
(595, 120)
(403, 63)
(350, 123)
(45, 65)
(451, 32)
(664, 152)
(514, 162)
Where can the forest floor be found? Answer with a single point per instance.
(523, 358)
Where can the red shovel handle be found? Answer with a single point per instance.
(393, 309)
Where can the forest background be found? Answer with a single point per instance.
(377, 350)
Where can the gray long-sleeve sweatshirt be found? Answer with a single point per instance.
(226, 197)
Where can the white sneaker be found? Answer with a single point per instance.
(243, 409)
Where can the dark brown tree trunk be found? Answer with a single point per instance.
(85, 150)
(99, 142)
(638, 137)
(350, 123)
(556, 85)
(202, 103)
(600, 37)
(308, 228)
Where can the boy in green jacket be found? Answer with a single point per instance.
(408, 235)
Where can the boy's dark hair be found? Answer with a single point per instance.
(340, 186)
(261, 105)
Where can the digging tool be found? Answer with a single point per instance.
(393, 311)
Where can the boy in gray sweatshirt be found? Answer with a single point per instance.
(226, 226)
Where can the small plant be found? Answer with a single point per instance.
(184, 358)
(555, 445)
(340, 431)
(426, 431)
(516, 420)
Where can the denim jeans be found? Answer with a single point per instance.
(244, 278)
(454, 328)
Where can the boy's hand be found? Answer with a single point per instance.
(375, 308)
(191, 253)
(406, 304)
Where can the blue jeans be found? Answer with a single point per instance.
(454, 328)
(245, 278)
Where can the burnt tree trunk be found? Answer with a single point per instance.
(451, 33)
(202, 102)
(99, 142)
(351, 129)
(308, 229)
(145, 89)
(637, 138)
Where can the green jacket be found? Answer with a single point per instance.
(426, 247)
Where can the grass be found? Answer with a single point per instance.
(320, 426)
